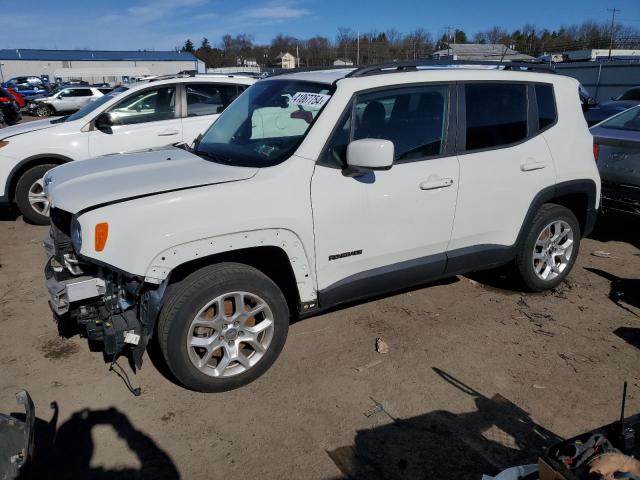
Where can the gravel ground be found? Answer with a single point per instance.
(479, 376)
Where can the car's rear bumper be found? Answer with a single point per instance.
(621, 198)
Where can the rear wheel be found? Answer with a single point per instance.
(30, 197)
(222, 327)
(550, 248)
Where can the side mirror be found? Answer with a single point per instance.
(369, 154)
(105, 121)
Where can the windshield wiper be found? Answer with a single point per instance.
(61, 119)
(213, 157)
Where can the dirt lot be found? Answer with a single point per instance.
(479, 376)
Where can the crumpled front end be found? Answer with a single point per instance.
(113, 310)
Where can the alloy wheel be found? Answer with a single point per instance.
(552, 250)
(38, 199)
(230, 334)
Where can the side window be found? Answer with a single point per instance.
(208, 98)
(496, 114)
(414, 119)
(149, 105)
(104, 91)
(546, 106)
(78, 92)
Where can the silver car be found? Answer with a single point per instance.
(67, 99)
(617, 149)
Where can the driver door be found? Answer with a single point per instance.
(390, 229)
(144, 119)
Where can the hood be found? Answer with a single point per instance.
(78, 185)
(27, 127)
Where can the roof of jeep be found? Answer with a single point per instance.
(457, 72)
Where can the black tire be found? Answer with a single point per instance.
(187, 297)
(547, 214)
(25, 182)
(44, 111)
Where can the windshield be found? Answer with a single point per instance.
(627, 120)
(265, 124)
(91, 106)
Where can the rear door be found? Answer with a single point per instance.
(203, 104)
(143, 119)
(504, 162)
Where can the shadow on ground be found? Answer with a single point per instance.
(622, 290)
(65, 452)
(629, 334)
(619, 228)
(8, 215)
(445, 445)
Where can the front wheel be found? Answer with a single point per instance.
(222, 327)
(550, 248)
(43, 111)
(30, 197)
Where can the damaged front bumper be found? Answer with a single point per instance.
(114, 311)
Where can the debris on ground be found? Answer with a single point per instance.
(381, 346)
(538, 387)
(601, 254)
(369, 365)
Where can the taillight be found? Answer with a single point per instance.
(5, 99)
(596, 151)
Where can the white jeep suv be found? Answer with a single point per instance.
(149, 115)
(315, 189)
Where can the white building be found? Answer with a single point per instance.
(113, 67)
(342, 62)
(286, 60)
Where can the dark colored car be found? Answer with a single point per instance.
(617, 144)
(597, 112)
(9, 107)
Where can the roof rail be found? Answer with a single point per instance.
(411, 66)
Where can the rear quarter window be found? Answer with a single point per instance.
(547, 114)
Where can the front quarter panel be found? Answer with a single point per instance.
(151, 236)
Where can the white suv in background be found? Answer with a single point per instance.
(66, 100)
(150, 115)
(315, 189)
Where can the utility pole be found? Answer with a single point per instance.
(448, 29)
(358, 50)
(297, 57)
(613, 20)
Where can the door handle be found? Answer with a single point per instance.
(434, 184)
(532, 164)
(167, 133)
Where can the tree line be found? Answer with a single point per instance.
(392, 45)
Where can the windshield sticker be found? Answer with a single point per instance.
(307, 99)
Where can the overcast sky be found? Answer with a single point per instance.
(164, 24)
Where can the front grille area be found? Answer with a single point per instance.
(61, 233)
(61, 220)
